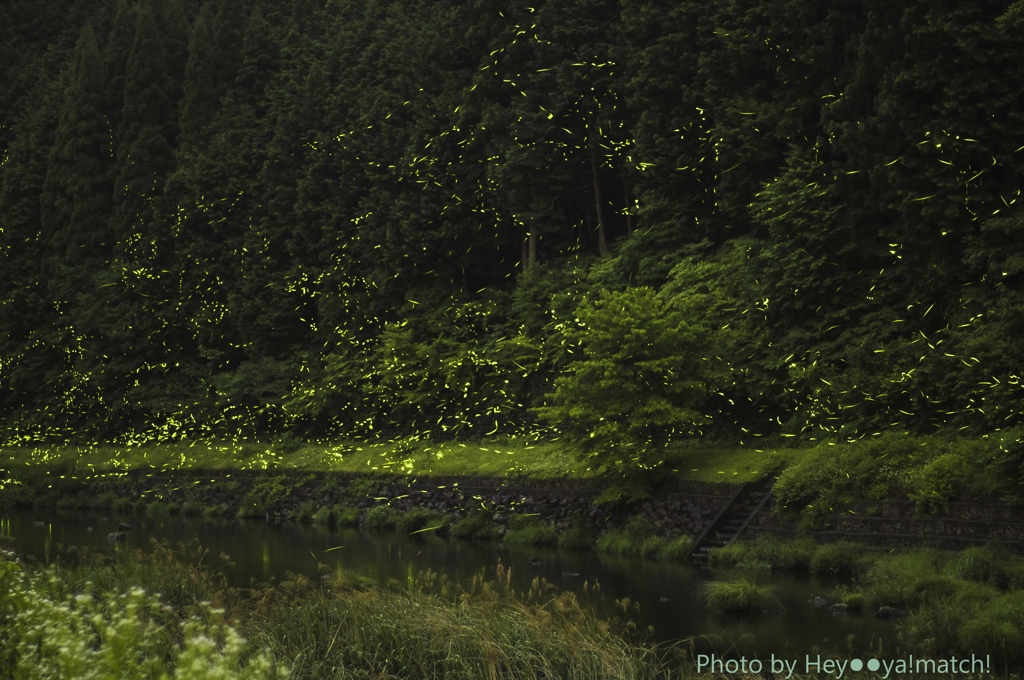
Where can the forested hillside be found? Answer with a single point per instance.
(632, 221)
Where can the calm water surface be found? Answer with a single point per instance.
(667, 593)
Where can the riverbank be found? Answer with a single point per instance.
(91, 611)
(894, 489)
(547, 512)
(965, 602)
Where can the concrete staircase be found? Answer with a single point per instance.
(732, 519)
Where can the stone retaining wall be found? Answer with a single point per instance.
(896, 523)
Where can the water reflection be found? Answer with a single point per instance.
(667, 594)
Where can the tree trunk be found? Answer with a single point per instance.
(629, 214)
(602, 241)
(524, 259)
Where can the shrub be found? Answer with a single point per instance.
(891, 581)
(637, 385)
(346, 516)
(123, 506)
(476, 526)
(67, 503)
(575, 538)
(675, 549)
(304, 513)
(854, 602)
(263, 496)
(740, 595)
(192, 508)
(838, 559)
(651, 546)
(1001, 637)
(778, 555)
(14, 495)
(937, 481)
(214, 511)
(380, 518)
(636, 538)
(530, 531)
(415, 519)
(47, 500)
(615, 542)
(159, 509)
(105, 501)
(115, 635)
(982, 565)
(326, 516)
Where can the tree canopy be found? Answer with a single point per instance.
(623, 221)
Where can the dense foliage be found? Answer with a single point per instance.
(93, 616)
(638, 221)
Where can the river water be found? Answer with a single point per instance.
(667, 593)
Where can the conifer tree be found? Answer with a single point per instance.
(76, 196)
(118, 51)
(144, 152)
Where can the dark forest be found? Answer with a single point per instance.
(629, 223)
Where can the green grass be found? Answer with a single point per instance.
(739, 595)
(381, 518)
(731, 465)
(529, 531)
(637, 538)
(766, 552)
(505, 457)
(337, 625)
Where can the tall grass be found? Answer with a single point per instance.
(739, 595)
(766, 552)
(332, 627)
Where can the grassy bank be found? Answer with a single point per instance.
(505, 457)
(964, 602)
(101, 614)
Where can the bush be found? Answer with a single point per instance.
(105, 501)
(346, 516)
(47, 500)
(215, 511)
(530, 531)
(766, 551)
(839, 559)
(380, 518)
(740, 595)
(114, 635)
(854, 602)
(575, 538)
(415, 519)
(675, 549)
(304, 513)
(637, 385)
(892, 581)
(615, 542)
(992, 567)
(937, 481)
(159, 509)
(262, 497)
(123, 506)
(14, 495)
(476, 526)
(68, 503)
(1002, 638)
(651, 546)
(326, 516)
(192, 508)
(636, 538)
